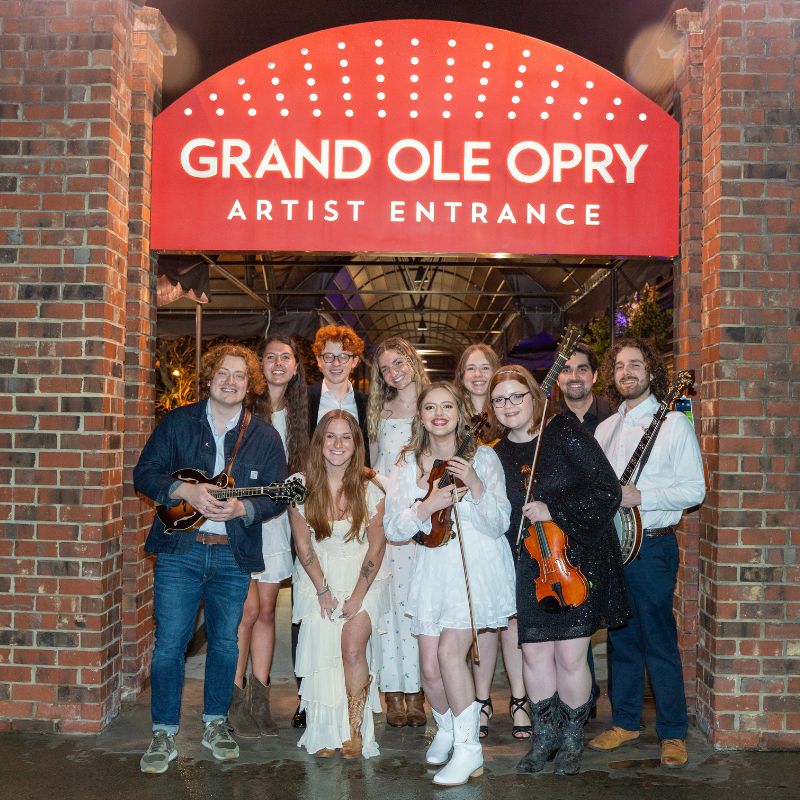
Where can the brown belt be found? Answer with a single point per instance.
(651, 533)
(211, 538)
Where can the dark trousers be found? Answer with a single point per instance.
(649, 639)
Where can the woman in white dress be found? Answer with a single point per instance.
(286, 407)
(339, 590)
(475, 369)
(437, 599)
(398, 374)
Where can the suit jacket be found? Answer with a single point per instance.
(314, 395)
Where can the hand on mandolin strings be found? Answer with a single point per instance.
(631, 496)
(198, 496)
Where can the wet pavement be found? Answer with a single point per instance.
(51, 767)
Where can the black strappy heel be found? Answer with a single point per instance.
(486, 708)
(519, 704)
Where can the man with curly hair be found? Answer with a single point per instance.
(212, 562)
(670, 481)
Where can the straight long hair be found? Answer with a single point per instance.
(380, 393)
(295, 399)
(491, 357)
(320, 505)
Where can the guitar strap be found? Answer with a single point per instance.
(645, 457)
(247, 416)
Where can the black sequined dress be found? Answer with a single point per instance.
(582, 492)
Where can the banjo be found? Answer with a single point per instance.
(628, 521)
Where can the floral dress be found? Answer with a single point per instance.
(399, 667)
(319, 648)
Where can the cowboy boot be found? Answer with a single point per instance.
(568, 758)
(259, 707)
(467, 759)
(239, 717)
(546, 735)
(415, 710)
(355, 710)
(395, 710)
(438, 753)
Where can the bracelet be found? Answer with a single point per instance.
(325, 590)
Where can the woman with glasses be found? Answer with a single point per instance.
(284, 404)
(474, 371)
(397, 376)
(438, 597)
(339, 592)
(576, 487)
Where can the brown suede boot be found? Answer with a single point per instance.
(415, 710)
(355, 709)
(239, 715)
(395, 709)
(259, 707)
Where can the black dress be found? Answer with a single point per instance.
(578, 485)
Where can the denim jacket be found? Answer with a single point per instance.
(184, 439)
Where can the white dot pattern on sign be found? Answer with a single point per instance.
(509, 66)
(187, 112)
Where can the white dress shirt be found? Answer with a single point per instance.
(327, 402)
(672, 479)
(212, 526)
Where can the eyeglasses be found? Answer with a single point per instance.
(396, 366)
(515, 399)
(342, 358)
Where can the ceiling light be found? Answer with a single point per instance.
(422, 326)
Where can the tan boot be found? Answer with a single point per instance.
(239, 714)
(415, 710)
(355, 710)
(259, 707)
(395, 709)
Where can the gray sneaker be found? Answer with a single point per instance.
(161, 751)
(217, 739)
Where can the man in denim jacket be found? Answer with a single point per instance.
(213, 562)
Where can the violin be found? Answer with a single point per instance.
(441, 523)
(560, 585)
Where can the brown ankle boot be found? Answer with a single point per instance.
(395, 709)
(259, 707)
(415, 710)
(239, 714)
(355, 709)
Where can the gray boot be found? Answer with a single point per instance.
(546, 735)
(239, 716)
(568, 758)
(259, 707)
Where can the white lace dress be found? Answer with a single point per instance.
(319, 649)
(276, 533)
(437, 596)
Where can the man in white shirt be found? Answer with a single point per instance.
(671, 481)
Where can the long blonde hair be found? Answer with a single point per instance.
(516, 372)
(320, 506)
(380, 393)
(420, 438)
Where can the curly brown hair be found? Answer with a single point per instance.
(653, 362)
(351, 342)
(319, 505)
(213, 358)
(295, 400)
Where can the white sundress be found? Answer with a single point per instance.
(437, 596)
(276, 533)
(319, 648)
(399, 650)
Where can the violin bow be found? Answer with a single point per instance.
(532, 476)
(476, 653)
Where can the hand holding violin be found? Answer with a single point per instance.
(439, 497)
(537, 511)
(465, 473)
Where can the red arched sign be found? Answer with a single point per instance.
(416, 136)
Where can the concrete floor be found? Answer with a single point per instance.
(38, 767)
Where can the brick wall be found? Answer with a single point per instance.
(65, 178)
(748, 657)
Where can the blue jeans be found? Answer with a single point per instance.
(650, 638)
(210, 573)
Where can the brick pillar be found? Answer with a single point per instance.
(153, 39)
(65, 145)
(749, 581)
(687, 292)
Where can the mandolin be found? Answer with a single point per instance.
(183, 517)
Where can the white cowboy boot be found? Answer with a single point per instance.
(439, 751)
(467, 759)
